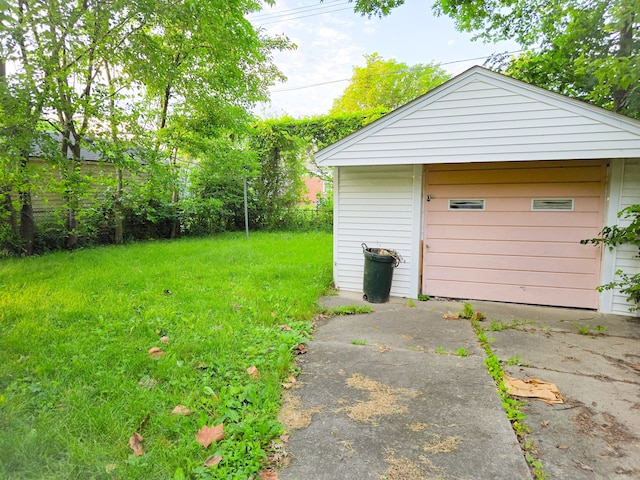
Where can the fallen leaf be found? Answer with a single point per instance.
(291, 381)
(212, 461)
(383, 348)
(478, 316)
(155, 352)
(207, 435)
(544, 423)
(111, 467)
(236, 306)
(268, 475)
(181, 410)
(301, 349)
(284, 438)
(253, 371)
(563, 447)
(135, 444)
(636, 367)
(273, 314)
(165, 339)
(451, 316)
(285, 327)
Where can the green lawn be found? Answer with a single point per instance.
(77, 379)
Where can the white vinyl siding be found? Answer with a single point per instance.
(377, 206)
(624, 190)
(484, 117)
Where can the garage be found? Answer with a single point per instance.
(486, 185)
(511, 232)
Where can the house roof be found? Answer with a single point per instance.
(484, 116)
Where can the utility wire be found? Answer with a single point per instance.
(301, 87)
(288, 19)
(269, 15)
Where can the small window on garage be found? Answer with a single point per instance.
(552, 204)
(466, 204)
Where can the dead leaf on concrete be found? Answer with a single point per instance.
(155, 352)
(181, 410)
(451, 316)
(212, 461)
(135, 444)
(533, 388)
(301, 349)
(207, 435)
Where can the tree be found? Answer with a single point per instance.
(586, 49)
(126, 73)
(387, 84)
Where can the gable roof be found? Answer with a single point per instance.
(484, 116)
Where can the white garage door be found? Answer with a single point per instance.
(511, 232)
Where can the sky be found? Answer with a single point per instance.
(332, 38)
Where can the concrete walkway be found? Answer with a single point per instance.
(386, 395)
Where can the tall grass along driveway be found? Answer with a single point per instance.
(98, 347)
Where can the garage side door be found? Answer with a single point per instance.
(511, 232)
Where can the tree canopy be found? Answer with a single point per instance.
(387, 84)
(585, 49)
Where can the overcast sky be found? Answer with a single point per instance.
(331, 39)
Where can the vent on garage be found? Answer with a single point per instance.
(557, 204)
(466, 204)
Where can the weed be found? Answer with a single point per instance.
(511, 406)
(582, 329)
(358, 342)
(498, 326)
(441, 350)
(423, 298)
(350, 310)
(601, 329)
(462, 352)
(410, 303)
(467, 311)
(517, 361)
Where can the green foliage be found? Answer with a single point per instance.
(410, 303)
(467, 311)
(387, 84)
(423, 298)
(77, 379)
(587, 50)
(359, 342)
(616, 235)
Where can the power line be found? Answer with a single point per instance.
(269, 15)
(288, 19)
(301, 87)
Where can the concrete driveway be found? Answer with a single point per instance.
(402, 393)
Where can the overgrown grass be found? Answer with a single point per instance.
(76, 378)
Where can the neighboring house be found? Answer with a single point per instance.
(486, 185)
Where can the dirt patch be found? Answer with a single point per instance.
(603, 425)
(383, 400)
(292, 416)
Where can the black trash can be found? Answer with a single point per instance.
(378, 273)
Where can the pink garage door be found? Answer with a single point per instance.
(511, 232)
